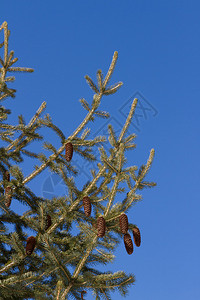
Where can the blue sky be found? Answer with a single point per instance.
(158, 45)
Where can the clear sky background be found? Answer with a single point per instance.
(159, 62)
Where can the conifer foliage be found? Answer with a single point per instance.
(38, 266)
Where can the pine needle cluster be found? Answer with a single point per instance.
(37, 267)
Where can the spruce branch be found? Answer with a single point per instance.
(115, 185)
(6, 63)
(113, 89)
(91, 84)
(100, 80)
(128, 120)
(111, 69)
(80, 265)
(95, 105)
(60, 150)
(32, 121)
(140, 178)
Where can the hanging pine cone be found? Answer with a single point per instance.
(68, 151)
(48, 222)
(123, 223)
(101, 226)
(128, 243)
(87, 206)
(8, 196)
(30, 245)
(137, 236)
(7, 176)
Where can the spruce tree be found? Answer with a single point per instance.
(37, 266)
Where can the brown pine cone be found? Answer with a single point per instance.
(128, 243)
(7, 176)
(48, 222)
(68, 151)
(137, 236)
(87, 206)
(101, 226)
(30, 245)
(8, 196)
(123, 223)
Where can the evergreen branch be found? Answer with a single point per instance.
(85, 133)
(107, 257)
(130, 138)
(102, 114)
(111, 69)
(85, 104)
(69, 182)
(9, 58)
(109, 165)
(13, 61)
(148, 165)
(112, 138)
(80, 265)
(3, 96)
(112, 194)
(5, 26)
(140, 178)
(29, 153)
(1, 62)
(92, 84)
(20, 69)
(96, 103)
(130, 146)
(116, 181)
(9, 265)
(65, 271)
(14, 279)
(86, 155)
(32, 121)
(11, 78)
(86, 192)
(102, 185)
(146, 184)
(100, 80)
(37, 114)
(44, 273)
(53, 156)
(128, 120)
(113, 89)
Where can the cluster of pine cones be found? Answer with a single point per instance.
(123, 223)
(101, 224)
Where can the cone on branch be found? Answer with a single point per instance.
(7, 176)
(123, 223)
(101, 226)
(137, 236)
(68, 151)
(48, 222)
(8, 196)
(128, 243)
(87, 206)
(30, 245)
